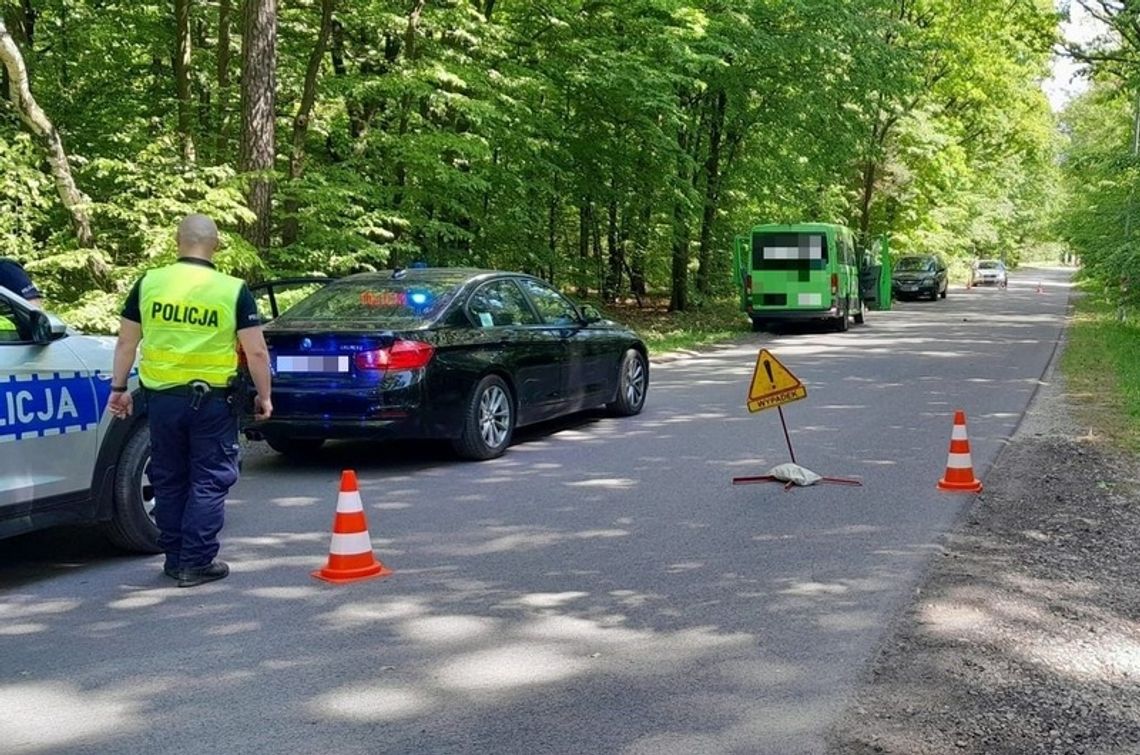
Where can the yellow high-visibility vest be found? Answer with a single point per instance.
(189, 326)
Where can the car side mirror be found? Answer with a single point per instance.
(590, 314)
(46, 328)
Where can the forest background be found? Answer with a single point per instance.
(613, 147)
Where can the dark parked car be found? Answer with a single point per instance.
(919, 275)
(458, 354)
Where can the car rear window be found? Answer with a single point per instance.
(914, 264)
(789, 251)
(987, 265)
(385, 303)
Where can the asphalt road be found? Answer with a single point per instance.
(602, 588)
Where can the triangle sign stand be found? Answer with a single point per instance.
(774, 385)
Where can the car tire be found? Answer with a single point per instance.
(945, 291)
(489, 421)
(294, 447)
(633, 385)
(758, 325)
(131, 526)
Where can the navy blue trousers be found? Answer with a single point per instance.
(193, 465)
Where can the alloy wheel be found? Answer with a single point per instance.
(494, 416)
(146, 490)
(634, 380)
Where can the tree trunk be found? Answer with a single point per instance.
(679, 288)
(411, 52)
(182, 79)
(222, 120)
(552, 239)
(37, 122)
(637, 282)
(679, 293)
(867, 192)
(301, 120)
(583, 243)
(616, 255)
(258, 89)
(712, 193)
(202, 90)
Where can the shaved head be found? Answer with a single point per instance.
(197, 236)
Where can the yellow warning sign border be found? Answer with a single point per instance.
(778, 397)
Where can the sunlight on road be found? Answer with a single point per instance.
(42, 717)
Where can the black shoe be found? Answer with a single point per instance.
(172, 572)
(203, 574)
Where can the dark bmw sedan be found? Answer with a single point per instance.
(458, 354)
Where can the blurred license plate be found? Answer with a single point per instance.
(312, 364)
(909, 287)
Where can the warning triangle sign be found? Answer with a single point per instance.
(773, 384)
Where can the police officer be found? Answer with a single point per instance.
(190, 319)
(14, 278)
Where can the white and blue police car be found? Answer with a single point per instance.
(63, 459)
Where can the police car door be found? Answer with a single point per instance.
(49, 414)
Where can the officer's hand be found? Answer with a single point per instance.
(120, 405)
(262, 408)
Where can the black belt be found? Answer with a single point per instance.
(198, 391)
(188, 391)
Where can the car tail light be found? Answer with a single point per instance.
(748, 284)
(402, 355)
(834, 284)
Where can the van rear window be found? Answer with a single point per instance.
(789, 251)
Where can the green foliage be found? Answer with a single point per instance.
(1100, 359)
(607, 146)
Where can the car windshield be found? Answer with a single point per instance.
(382, 303)
(989, 265)
(914, 264)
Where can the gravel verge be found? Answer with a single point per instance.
(1023, 635)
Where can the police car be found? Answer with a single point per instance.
(63, 459)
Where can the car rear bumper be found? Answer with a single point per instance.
(319, 427)
(793, 315)
(331, 412)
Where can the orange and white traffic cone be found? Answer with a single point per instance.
(959, 468)
(350, 553)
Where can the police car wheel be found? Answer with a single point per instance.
(489, 421)
(293, 446)
(633, 380)
(131, 526)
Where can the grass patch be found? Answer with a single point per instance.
(664, 331)
(1101, 365)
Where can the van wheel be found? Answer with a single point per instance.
(758, 325)
(861, 315)
(132, 524)
(293, 447)
(844, 320)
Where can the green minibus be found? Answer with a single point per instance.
(805, 271)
